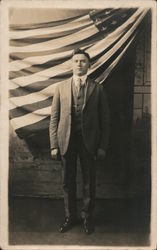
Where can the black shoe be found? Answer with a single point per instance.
(88, 226)
(67, 225)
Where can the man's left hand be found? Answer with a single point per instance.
(101, 154)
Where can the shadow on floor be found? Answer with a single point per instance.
(119, 222)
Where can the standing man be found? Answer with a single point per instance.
(79, 126)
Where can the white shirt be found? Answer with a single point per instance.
(83, 79)
(79, 83)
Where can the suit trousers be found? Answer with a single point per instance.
(69, 173)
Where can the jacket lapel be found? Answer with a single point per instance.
(67, 92)
(90, 87)
(73, 91)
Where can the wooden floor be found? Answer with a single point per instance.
(118, 222)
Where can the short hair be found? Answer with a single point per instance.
(81, 51)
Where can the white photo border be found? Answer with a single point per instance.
(4, 124)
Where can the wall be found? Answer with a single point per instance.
(142, 84)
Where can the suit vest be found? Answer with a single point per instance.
(77, 106)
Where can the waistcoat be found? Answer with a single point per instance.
(77, 106)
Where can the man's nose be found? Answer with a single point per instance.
(79, 63)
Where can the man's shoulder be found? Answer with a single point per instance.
(97, 84)
(91, 81)
(63, 84)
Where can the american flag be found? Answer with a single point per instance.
(40, 57)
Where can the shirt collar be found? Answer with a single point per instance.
(83, 78)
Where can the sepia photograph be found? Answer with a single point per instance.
(78, 112)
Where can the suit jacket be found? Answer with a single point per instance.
(95, 117)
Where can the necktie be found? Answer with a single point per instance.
(78, 85)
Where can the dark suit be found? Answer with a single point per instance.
(94, 134)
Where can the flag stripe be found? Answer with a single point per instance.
(119, 52)
(37, 86)
(108, 58)
(17, 65)
(34, 116)
(23, 81)
(50, 72)
(49, 34)
(103, 76)
(31, 129)
(36, 69)
(61, 76)
(93, 38)
(113, 33)
(45, 111)
(57, 43)
(47, 31)
(34, 97)
(92, 14)
(48, 24)
(37, 47)
(38, 39)
(21, 91)
(93, 49)
(30, 118)
(46, 74)
(105, 58)
(119, 44)
(28, 108)
(109, 61)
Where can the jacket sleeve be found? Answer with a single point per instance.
(104, 119)
(54, 120)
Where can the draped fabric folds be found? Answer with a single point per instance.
(40, 59)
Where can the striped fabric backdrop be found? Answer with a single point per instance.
(40, 57)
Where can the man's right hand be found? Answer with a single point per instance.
(54, 153)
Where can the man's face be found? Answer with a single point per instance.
(80, 64)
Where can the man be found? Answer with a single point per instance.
(79, 126)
